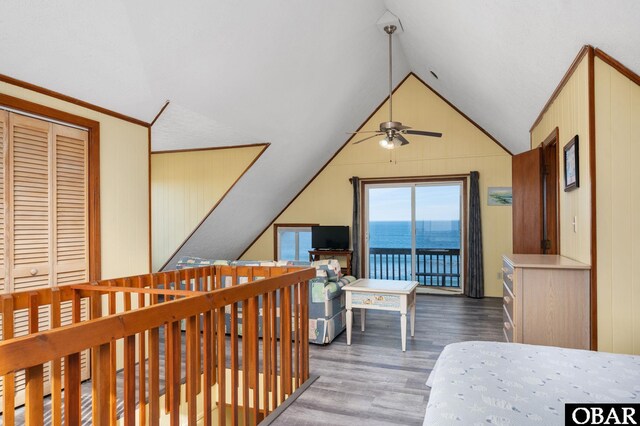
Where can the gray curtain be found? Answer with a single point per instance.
(475, 271)
(355, 228)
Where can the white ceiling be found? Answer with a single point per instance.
(299, 74)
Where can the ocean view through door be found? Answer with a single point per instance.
(414, 231)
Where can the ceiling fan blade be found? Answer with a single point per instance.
(402, 139)
(363, 131)
(362, 140)
(422, 133)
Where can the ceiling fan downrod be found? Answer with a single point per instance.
(390, 29)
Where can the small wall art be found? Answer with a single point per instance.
(571, 165)
(499, 196)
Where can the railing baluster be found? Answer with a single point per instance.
(99, 371)
(154, 375)
(246, 343)
(113, 395)
(222, 374)
(142, 391)
(175, 348)
(207, 360)
(266, 360)
(386, 258)
(296, 333)
(168, 358)
(193, 368)
(72, 374)
(254, 364)
(234, 363)
(129, 380)
(56, 365)
(34, 376)
(8, 380)
(273, 300)
(304, 298)
(72, 407)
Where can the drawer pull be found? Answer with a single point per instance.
(507, 325)
(33, 271)
(507, 299)
(510, 277)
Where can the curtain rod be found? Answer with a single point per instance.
(395, 178)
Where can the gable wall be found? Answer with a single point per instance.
(463, 148)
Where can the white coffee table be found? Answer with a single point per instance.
(384, 295)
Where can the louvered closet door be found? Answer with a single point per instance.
(71, 242)
(30, 199)
(44, 199)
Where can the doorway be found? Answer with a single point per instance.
(415, 231)
(550, 191)
(535, 182)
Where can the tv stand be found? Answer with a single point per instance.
(333, 254)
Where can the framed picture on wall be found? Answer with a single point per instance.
(499, 196)
(571, 165)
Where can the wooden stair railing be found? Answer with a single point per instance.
(129, 319)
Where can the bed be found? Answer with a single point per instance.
(515, 384)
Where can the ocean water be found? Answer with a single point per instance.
(439, 234)
(433, 268)
(436, 269)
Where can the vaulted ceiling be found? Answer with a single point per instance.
(299, 74)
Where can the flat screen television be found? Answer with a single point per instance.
(330, 237)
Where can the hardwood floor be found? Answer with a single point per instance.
(372, 381)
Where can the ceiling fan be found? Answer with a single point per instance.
(393, 131)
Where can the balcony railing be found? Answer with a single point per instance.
(434, 267)
(140, 371)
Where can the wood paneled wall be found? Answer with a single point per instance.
(185, 186)
(617, 105)
(569, 112)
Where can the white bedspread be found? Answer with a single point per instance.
(480, 383)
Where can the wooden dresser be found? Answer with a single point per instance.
(546, 300)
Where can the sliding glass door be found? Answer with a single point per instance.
(414, 231)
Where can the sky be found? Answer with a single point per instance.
(434, 202)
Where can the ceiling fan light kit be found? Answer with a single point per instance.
(393, 131)
(387, 144)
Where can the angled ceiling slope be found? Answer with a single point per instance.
(499, 62)
(299, 75)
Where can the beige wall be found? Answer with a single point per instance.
(570, 113)
(463, 148)
(124, 190)
(617, 105)
(184, 188)
(617, 108)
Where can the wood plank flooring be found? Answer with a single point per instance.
(372, 381)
